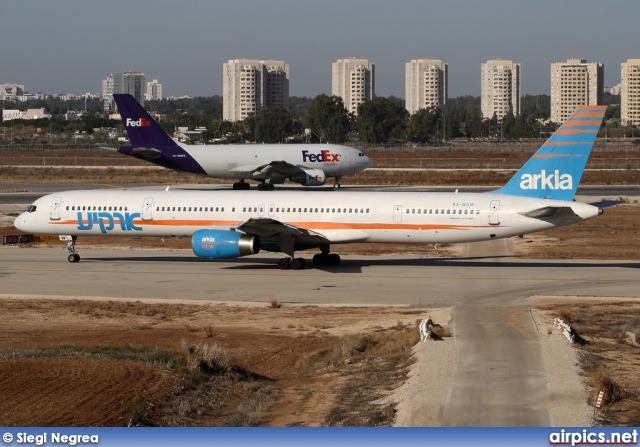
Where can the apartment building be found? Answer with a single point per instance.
(426, 84)
(353, 80)
(153, 91)
(630, 92)
(575, 83)
(500, 88)
(251, 85)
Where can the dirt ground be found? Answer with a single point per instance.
(115, 363)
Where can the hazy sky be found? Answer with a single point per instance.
(69, 46)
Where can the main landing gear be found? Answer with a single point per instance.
(289, 262)
(71, 248)
(265, 186)
(241, 185)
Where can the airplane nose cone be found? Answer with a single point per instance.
(367, 162)
(19, 223)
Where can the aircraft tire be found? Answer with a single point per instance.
(284, 264)
(298, 264)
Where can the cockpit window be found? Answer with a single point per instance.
(31, 208)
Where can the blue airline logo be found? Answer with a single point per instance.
(107, 221)
(543, 181)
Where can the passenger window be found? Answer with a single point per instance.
(436, 211)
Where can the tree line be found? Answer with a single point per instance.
(325, 119)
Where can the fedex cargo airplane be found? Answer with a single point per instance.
(227, 224)
(270, 164)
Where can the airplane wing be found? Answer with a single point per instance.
(281, 168)
(108, 148)
(270, 229)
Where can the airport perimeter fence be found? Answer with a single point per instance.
(505, 156)
(400, 163)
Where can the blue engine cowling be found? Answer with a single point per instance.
(224, 244)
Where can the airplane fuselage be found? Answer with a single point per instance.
(339, 217)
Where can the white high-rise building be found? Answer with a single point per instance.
(630, 92)
(251, 85)
(426, 84)
(500, 92)
(573, 84)
(353, 80)
(153, 91)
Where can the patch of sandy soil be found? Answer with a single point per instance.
(60, 361)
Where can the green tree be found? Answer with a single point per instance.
(382, 119)
(422, 125)
(274, 125)
(328, 119)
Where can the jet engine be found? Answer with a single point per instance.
(219, 244)
(309, 177)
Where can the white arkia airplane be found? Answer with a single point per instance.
(227, 224)
(270, 164)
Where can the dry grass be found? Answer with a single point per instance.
(608, 362)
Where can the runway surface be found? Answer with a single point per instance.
(357, 280)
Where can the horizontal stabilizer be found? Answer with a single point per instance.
(148, 153)
(547, 212)
(606, 203)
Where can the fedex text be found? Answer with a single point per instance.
(324, 156)
(142, 122)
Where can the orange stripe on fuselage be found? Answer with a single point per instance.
(306, 225)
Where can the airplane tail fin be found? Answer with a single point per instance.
(143, 130)
(555, 170)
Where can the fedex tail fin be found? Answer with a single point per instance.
(555, 170)
(149, 141)
(143, 130)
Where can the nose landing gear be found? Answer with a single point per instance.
(71, 248)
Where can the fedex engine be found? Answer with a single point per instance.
(309, 177)
(219, 244)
